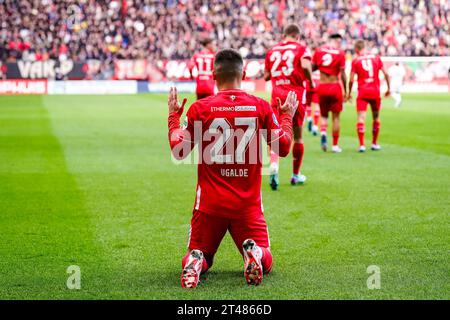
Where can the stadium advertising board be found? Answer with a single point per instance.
(92, 87)
(49, 69)
(22, 86)
(422, 74)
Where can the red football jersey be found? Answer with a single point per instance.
(204, 62)
(328, 60)
(283, 61)
(367, 68)
(230, 125)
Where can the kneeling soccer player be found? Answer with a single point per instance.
(228, 127)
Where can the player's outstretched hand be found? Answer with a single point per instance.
(174, 104)
(290, 105)
(348, 98)
(387, 94)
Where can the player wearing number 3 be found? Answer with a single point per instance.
(230, 126)
(288, 66)
(367, 68)
(330, 61)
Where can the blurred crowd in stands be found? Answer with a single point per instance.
(171, 29)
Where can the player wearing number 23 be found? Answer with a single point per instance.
(288, 66)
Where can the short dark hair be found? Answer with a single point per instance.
(335, 36)
(291, 30)
(359, 44)
(205, 41)
(228, 64)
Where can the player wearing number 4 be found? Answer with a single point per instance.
(367, 68)
(288, 66)
(203, 62)
(330, 61)
(229, 127)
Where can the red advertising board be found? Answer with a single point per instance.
(23, 86)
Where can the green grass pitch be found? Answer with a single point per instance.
(88, 181)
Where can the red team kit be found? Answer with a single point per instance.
(332, 62)
(203, 62)
(230, 127)
(283, 63)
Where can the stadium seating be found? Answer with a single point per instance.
(127, 29)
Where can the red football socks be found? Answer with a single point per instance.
(316, 117)
(297, 155)
(323, 128)
(375, 131)
(335, 138)
(360, 128)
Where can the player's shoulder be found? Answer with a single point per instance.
(204, 102)
(205, 54)
(201, 104)
(356, 59)
(302, 48)
(285, 45)
(251, 99)
(319, 49)
(269, 50)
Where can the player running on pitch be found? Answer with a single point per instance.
(203, 62)
(330, 61)
(288, 66)
(397, 73)
(367, 67)
(228, 128)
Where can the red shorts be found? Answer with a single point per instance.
(207, 231)
(330, 98)
(361, 104)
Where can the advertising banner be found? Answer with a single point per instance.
(21, 86)
(49, 69)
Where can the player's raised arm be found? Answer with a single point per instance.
(307, 70)
(280, 139)
(181, 140)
